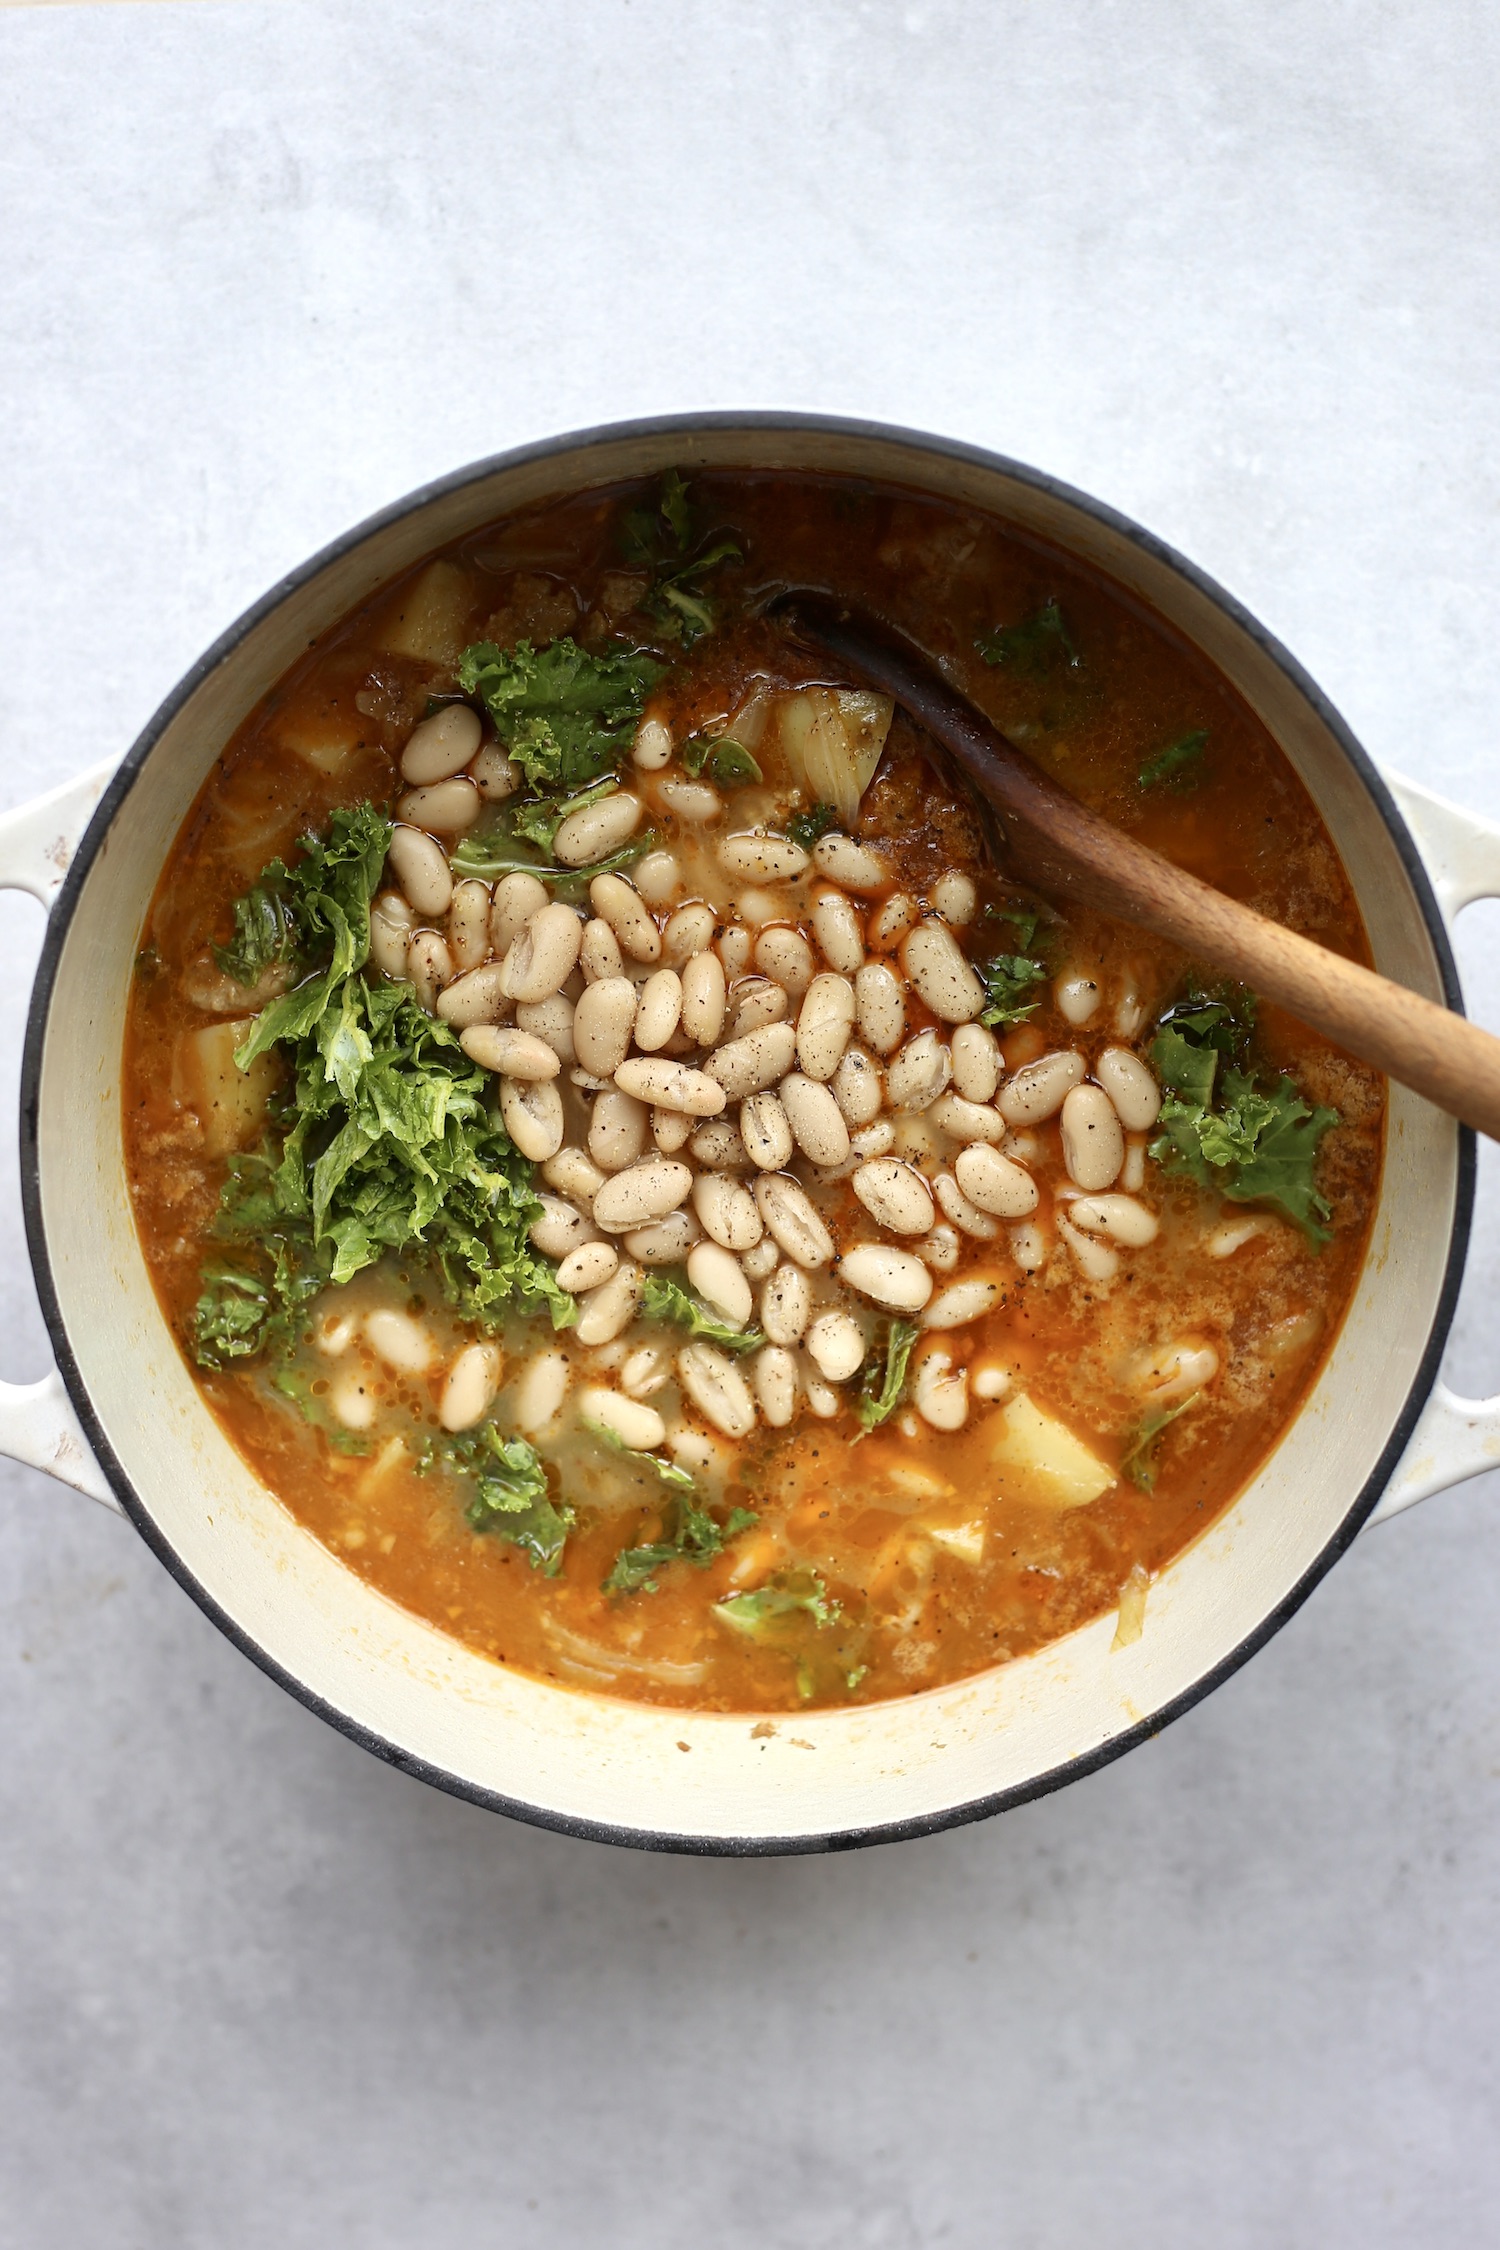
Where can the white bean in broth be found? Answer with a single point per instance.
(828, 1134)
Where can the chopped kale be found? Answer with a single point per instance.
(1176, 761)
(539, 818)
(502, 846)
(665, 1299)
(726, 761)
(1040, 644)
(265, 935)
(509, 1494)
(1140, 1459)
(1005, 978)
(1199, 1032)
(806, 828)
(667, 540)
(791, 1593)
(884, 1378)
(564, 715)
(696, 1538)
(327, 900)
(669, 1471)
(230, 1319)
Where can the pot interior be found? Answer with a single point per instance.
(703, 1781)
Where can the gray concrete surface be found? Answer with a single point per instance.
(265, 267)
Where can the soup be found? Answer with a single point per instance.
(652, 1192)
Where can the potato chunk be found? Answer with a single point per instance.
(430, 620)
(1059, 1468)
(230, 1102)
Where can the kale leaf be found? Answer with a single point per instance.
(1005, 978)
(663, 537)
(1041, 644)
(493, 850)
(806, 828)
(665, 1299)
(564, 715)
(509, 1495)
(229, 1321)
(1176, 761)
(727, 761)
(885, 1377)
(327, 901)
(791, 1593)
(696, 1538)
(1140, 1459)
(265, 933)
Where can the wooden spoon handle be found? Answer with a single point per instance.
(1066, 851)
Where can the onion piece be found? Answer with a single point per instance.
(832, 739)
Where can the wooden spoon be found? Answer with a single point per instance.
(1068, 852)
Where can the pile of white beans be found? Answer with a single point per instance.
(729, 1061)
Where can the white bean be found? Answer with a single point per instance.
(641, 1194)
(696, 802)
(354, 1398)
(1119, 1217)
(1040, 1089)
(517, 898)
(890, 922)
(963, 1301)
(836, 1346)
(767, 859)
(1130, 1011)
(786, 955)
(766, 1131)
(391, 925)
(441, 745)
(587, 1266)
(469, 925)
(976, 1062)
(881, 1006)
(759, 1261)
(1092, 1142)
(444, 809)
(858, 1088)
(934, 961)
(746, 1066)
(671, 1129)
(513, 1053)
(1232, 1236)
(635, 1425)
(734, 946)
(1133, 1170)
(894, 1195)
(689, 932)
(608, 1310)
(1094, 1260)
(966, 1216)
(551, 1020)
(1177, 1370)
(429, 966)
(873, 1140)
(941, 1249)
(1028, 1246)
(653, 745)
(560, 1227)
(954, 897)
(1077, 998)
(815, 1120)
(822, 1398)
(718, 1147)
(919, 1073)
(398, 1339)
(540, 1392)
(836, 928)
(727, 1211)
(786, 1305)
(670, 1085)
(618, 1127)
(757, 1000)
(596, 830)
(990, 1381)
(1131, 1087)
(993, 1182)
(940, 1392)
(825, 1024)
(790, 1217)
(599, 954)
(533, 1113)
(666, 1242)
(717, 1388)
(573, 1174)
(541, 958)
(624, 910)
(644, 1372)
(603, 1020)
(422, 871)
(966, 1121)
(850, 864)
(704, 992)
(471, 1383)
(659, 1012)
(719, 1278)
(493, 774)
(774, 1374)
(895, 1279)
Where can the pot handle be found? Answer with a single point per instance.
(1456, 1438)
(37, 843)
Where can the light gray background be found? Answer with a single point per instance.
(1229, 267)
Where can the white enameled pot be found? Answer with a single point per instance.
(122, 1421)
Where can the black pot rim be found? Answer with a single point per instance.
(736, 1847)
